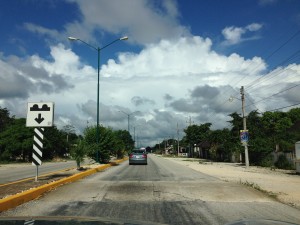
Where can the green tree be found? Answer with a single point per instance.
(16, 141)
(236, 124)
(54, 143)
(5, 119)
(294, 115)
(122, 143)
(105, 145)
(221, 144)
(197, 133)
(275, 127)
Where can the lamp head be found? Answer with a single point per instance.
(72, 38)
(124, 38)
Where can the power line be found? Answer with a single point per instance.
(256, 82)
(272, 53)
(253, 103)
(275, 94)
(283, 107)
(278, 72)
(268, 57)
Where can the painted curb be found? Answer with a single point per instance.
(18, 199)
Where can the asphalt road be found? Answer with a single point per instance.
(162, 192)
(14, 172)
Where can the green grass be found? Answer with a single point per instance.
(257, 187)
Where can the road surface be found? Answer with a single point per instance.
(163, 192)
(14, 172)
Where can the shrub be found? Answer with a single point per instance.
(266, 161)
(283, 163)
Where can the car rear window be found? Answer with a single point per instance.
(138, 152)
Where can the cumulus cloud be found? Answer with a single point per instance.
(166, 82)
(234, 35)
(159, 19)
(43, 31)
(205, 100)
(19, 78)
(12, 81)
(205, 92)
(168, 97)
(179, 58)
(137, 101)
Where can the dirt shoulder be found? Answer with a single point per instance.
(283, 184)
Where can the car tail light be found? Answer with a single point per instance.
(144, 155)
(131, 156)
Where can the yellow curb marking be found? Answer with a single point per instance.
(31, 178)
(18, 199)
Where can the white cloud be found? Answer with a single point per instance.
(143, 20)
(234, 35)
(42, 30)
(64, 61)
(166, 82)
(254, 27)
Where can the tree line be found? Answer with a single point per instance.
(268, 132)
(16, 141)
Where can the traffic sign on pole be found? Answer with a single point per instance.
(40, 114)
(244, 136)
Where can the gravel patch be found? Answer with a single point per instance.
(281, 184)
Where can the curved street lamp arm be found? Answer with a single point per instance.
(98, 48)
(109, 44)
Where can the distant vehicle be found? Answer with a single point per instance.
(138, 156)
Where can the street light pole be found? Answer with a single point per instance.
(128, 115)
(98, 49)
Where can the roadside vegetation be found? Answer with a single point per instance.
(16, 142)
(271, 143)
(272, 137)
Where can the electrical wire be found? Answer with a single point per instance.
(283, 107)
(263, 79)
(275, 94)
(253, 84)
(270, 55)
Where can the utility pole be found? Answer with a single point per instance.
(245, 127)
(190, 121)
(165, 147)
(134, 136)
(177, 140)
(191, 154)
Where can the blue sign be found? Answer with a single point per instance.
(244, 135)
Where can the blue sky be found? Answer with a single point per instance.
(183, 59)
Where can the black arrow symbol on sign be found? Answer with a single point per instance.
(39, 119)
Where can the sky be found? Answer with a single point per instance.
(184, 61)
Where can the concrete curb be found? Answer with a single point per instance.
(26, 196)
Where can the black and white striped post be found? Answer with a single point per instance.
(37, 151)
(39, 116)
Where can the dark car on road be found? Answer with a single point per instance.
(138, 156)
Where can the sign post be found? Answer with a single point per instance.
(39, 115)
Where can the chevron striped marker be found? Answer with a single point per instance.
(37, 146)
